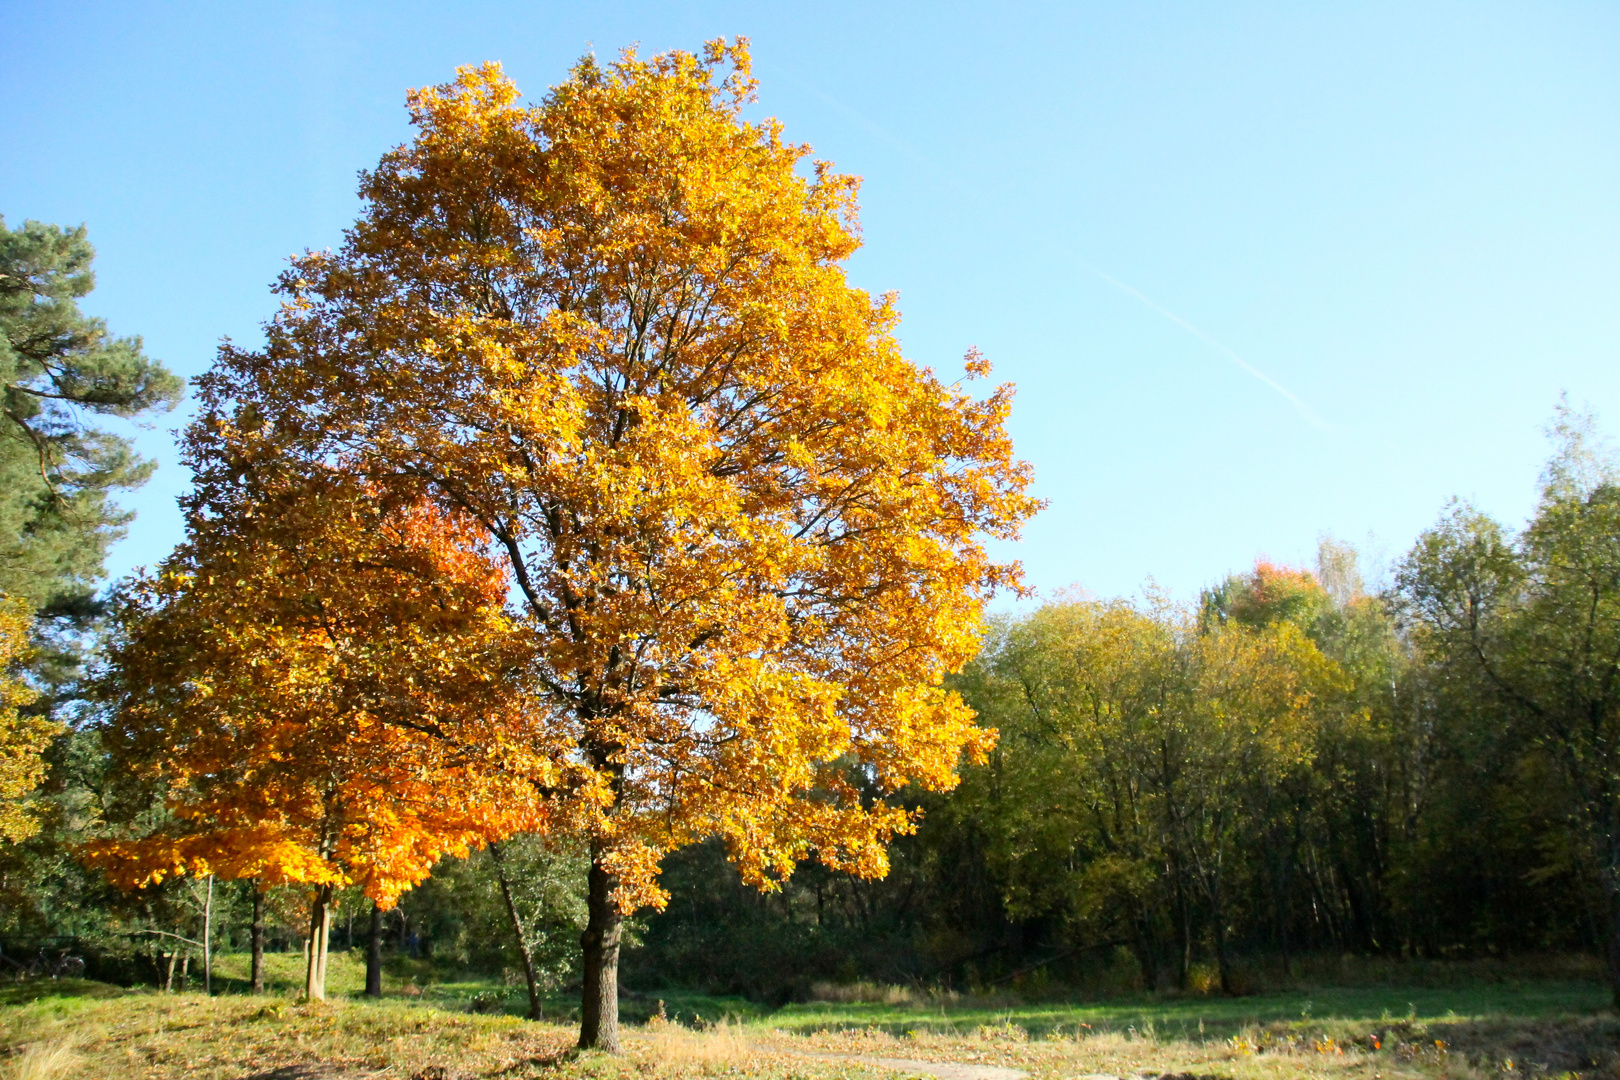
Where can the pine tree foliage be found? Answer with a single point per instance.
(60, 474)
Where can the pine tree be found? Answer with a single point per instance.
(59, 474)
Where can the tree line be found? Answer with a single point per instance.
(1196, 795)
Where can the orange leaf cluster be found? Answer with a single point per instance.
(318, 677)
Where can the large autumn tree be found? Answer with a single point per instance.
(614, 330)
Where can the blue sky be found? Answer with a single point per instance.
(1259, 271)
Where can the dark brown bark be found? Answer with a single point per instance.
(599, 1004)
(257, 936)
(518, 933)
(374, 952)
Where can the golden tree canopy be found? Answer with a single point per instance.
(612, 330)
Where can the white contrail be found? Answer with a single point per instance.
(1225, 350)
(1221, 347)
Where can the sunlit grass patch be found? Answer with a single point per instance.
(164, 1035)
(118, 1035)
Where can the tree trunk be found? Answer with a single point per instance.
(326, 946)
(320, 929)
(599, 1005)
(1281, 890)
(1222, 963)
(1217, 905)
(1611, 889)
(1146, 954)
(518, 932)
(168, 978)
(374, 952)
(1183, 913)
(208, 939)
(257, 976)
(1614, 949)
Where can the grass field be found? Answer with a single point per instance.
(1204, 1017)
(436, 1028)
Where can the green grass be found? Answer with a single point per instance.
(1207, 1017)
(421, 982)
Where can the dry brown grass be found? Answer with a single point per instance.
(53, 1060)
(871, 993)
(1128, 1055)
(860, 993)
(672, 1048)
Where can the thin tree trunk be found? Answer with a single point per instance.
(374, 952)
(599, 1005)
(326, 944)
(1146, 954)
(1614, 949)
(257, 977)
(1217, 904)
(1222, 963)
(208, 939)
(1183, 910)
(517, 930)
(168, 978)
(320, 926)
(1611, 889)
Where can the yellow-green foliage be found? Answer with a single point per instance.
(22, 738)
